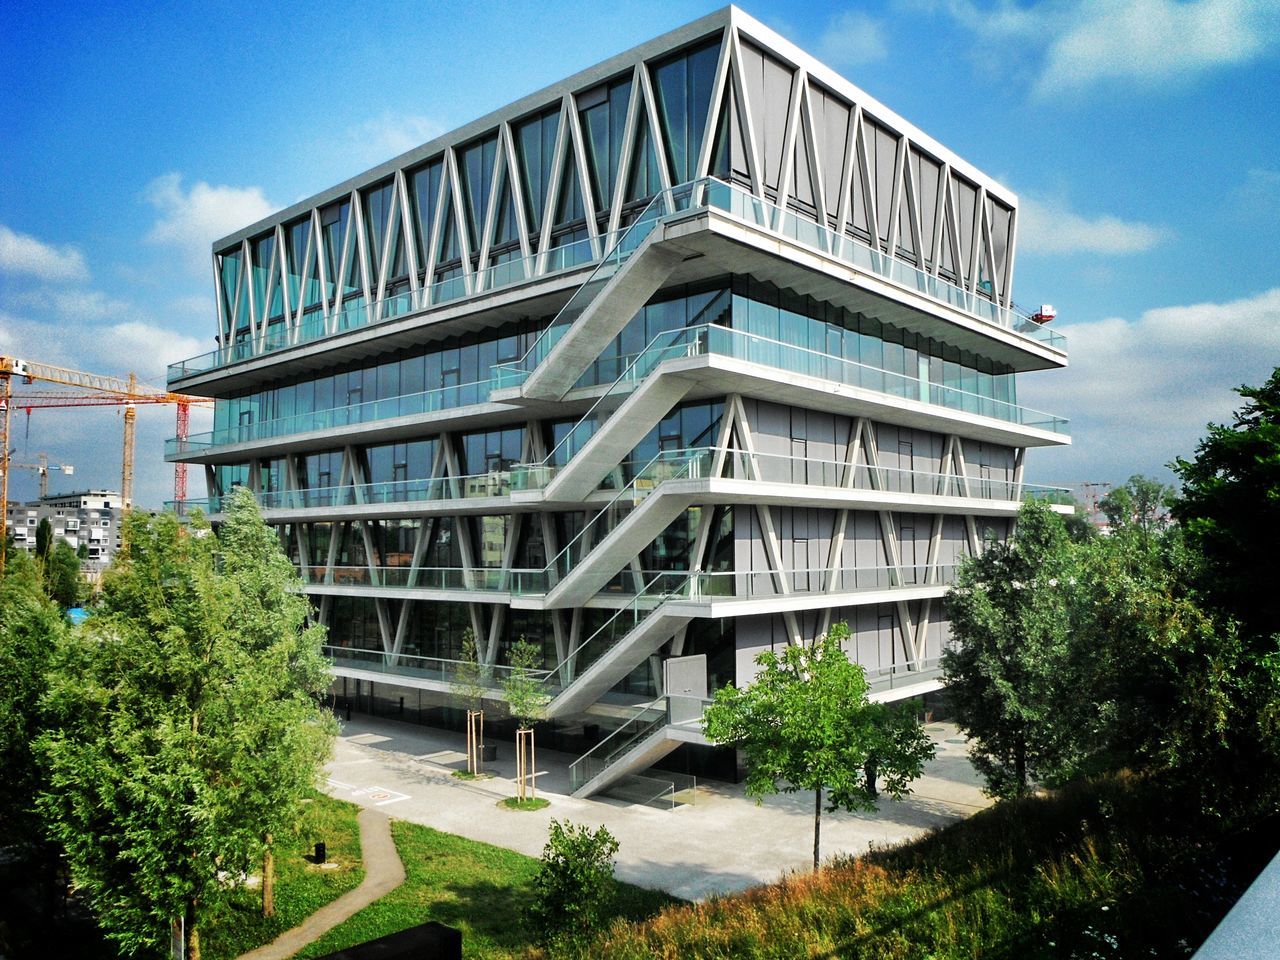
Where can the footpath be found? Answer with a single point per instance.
(383, 872)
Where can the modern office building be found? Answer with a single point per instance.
(691, 354)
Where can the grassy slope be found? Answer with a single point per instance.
(480, 889)
(301, 887)
(1107, 869)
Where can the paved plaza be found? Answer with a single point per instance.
(720, 843)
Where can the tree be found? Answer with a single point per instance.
(63, 582)
(1230, 509)
(574, 884)
(186, 722)
(469, 687)
(1230, 506)
(527, 701)
(805, 723)
(30, 626)
(1010, 623)
(1149, 678)
(1142, 505)
(44, 538)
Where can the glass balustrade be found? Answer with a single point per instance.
(646, 476)
(352, 317)
(371, 411)
(646, 721)
(700, 194)
(489, 579)
(426, 668)
(674, 200)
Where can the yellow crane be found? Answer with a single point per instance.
(100, 389)
(42, 466)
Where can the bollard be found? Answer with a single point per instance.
(320, 852)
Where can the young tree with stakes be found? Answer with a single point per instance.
(469, 687)
(527, 702)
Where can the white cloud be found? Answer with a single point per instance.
(389, 135)
(73, 304)
(20, 253)
(1139, 392)
(851, 39)
(1078, 44)
(143, 348)
(1258, 198)
(190, 220)
(1050, 226)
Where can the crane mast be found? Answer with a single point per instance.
(102, 390)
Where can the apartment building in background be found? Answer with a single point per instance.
(88, 518)
(687, 356)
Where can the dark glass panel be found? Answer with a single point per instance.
(377, 212)
(603, 112)
(333, 226)
(296, 237)
(644, 179)
(506, 232)
(476, 163)
(535, 148)
(229, 271)
(449, 248)
(424, 184)
(262, 249)
(682, 87)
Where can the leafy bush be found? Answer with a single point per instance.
(574, 887)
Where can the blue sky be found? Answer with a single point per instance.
(1142, 136)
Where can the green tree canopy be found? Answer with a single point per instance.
(44, 538)
(65, 586)
(30, 626)
(1142, 506)
(522, 686)
(1010, 625)
(805, 723)
(1230, 507)
(186, 719)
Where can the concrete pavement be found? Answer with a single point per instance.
(722, 843)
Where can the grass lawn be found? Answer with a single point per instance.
(301, 886)
(480, 889)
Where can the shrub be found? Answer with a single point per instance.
(574, 886)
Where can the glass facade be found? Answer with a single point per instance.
(399, 575)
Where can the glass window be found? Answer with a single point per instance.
(229, 275)
(476, 162)
(682, 87)
(535, 146)
(603, 113)
(377, 214)
(424, 184)
(644, 179)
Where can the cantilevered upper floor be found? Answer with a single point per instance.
(504, 218)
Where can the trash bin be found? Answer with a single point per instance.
(320, 852)
(489, 752)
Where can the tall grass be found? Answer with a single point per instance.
(1110, 868)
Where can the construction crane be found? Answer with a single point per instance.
(103, 391)
(42, 467)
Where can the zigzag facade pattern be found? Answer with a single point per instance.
(690, 354)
